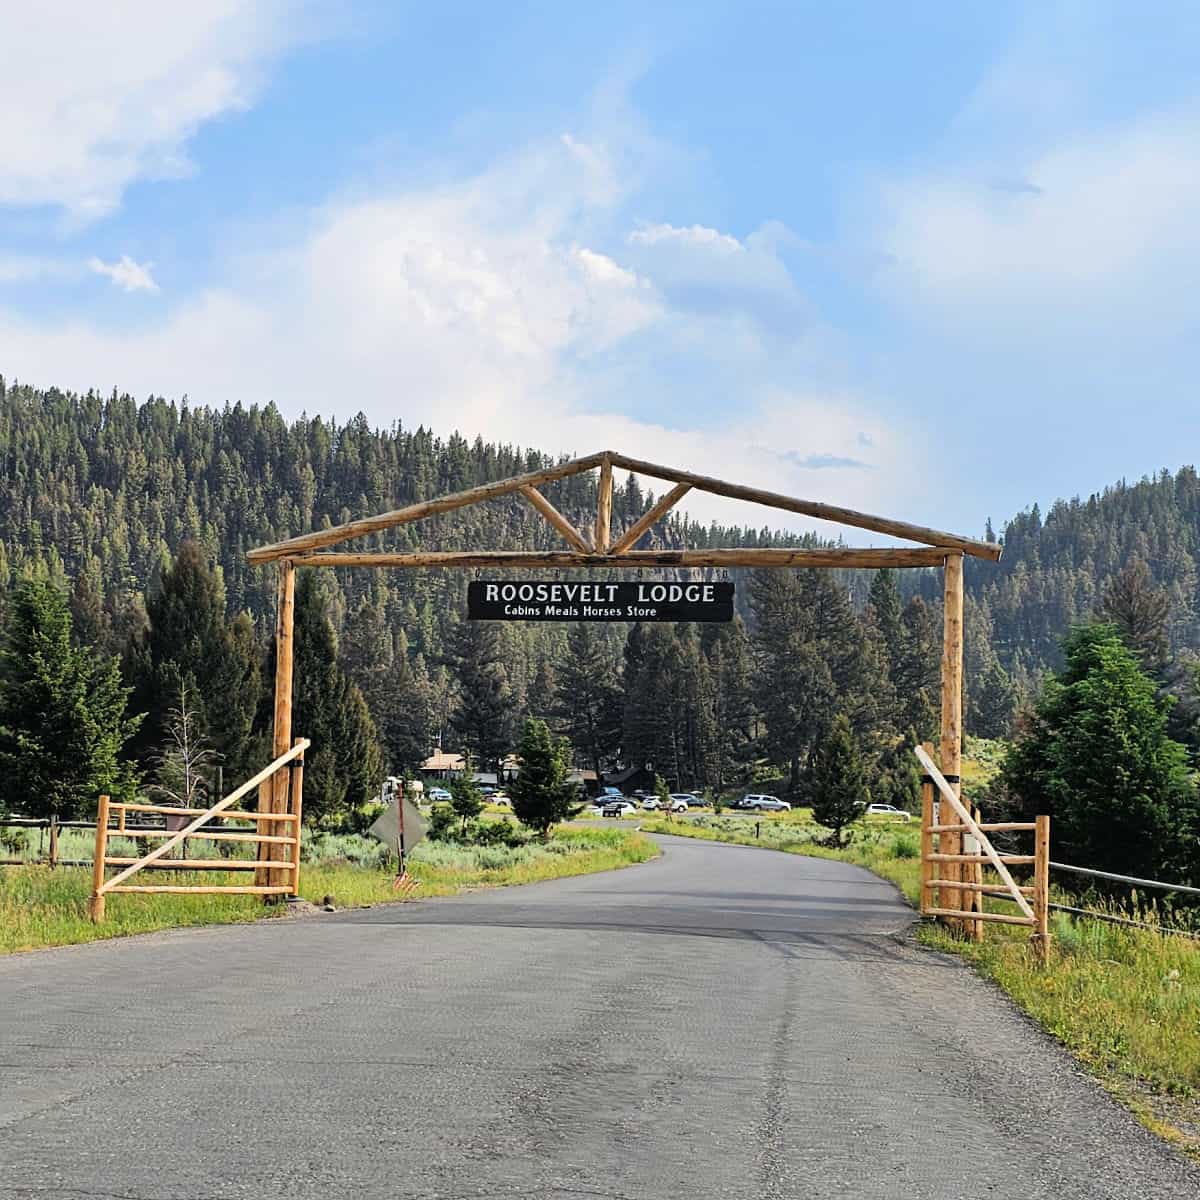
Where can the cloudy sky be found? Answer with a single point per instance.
(937, 259)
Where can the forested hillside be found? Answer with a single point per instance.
(99, 496)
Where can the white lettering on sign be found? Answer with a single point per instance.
(673, 593)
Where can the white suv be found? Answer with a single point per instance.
(764, 804)
(888, 810)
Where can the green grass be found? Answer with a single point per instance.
(1125, 1002)
(40, 907)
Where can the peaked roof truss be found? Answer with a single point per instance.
(596, 547)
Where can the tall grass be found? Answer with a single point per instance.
(40, 907)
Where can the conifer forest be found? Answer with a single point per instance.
(132, 622)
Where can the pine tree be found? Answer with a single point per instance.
(1141, 611)
(588, 702)
(466, 799)
(189, 643)
(344, 767)
(541, 795)
(483, 714)
(992, 703)
(884, 599)
(1096, 757)
(839, 780)
(63, 719)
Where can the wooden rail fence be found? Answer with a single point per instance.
(276, 835)
(952, 884)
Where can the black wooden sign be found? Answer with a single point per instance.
(591, 601)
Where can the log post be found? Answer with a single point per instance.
(1041, 887)
(951, 739)
(604, 507)
(53, 840)
(96, 904)
(297, 766)
(274, 798)
(926, 836)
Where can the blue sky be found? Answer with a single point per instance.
(935, 260)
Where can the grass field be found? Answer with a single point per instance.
(40, 907)
(1125, 1001)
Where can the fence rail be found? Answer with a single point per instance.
(275, 874)
(961, 874)
(1130, 879)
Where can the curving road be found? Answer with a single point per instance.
(723, 1022)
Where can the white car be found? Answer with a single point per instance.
(500, 799)
(678, 804)
(760, 803)
(888, 810)
(651, 803)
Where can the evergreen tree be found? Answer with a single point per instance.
(1141, 612)
(466, 800)
(541, 795)
(839, 780)
(344, 766)
(918, 670)
(63, 719)
(189, 643)
(1096, 757)
(588, 701)
(483, 715)
(884, 599)
(992, 703)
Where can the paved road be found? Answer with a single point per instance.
(724, 1022)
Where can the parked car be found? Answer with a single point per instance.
(678, 804)
(501, 799)
(650, 803)
(758, 803)
(690, 800)
(619, 808)
(438, 794)
(888, 810)
(609, 793)
(593, 810)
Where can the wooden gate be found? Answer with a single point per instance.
(276, 835)
(961, 874)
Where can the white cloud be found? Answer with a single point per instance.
(110, 93)
(707, 271)
(483, 306)
(1106, 227)
(128, 275)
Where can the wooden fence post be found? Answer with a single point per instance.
(926, 836)
(951, 739)
(96, 905)
(1041, 887)
(297, 766)
(53, 840)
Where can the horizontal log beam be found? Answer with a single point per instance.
(414, 512)
(199, 890)
(813, 508)
(988, 889)
(749, 557)
(167, 809)
(967, 915)
(982, 859)
(198, 864)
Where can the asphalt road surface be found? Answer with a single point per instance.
(723, 1022)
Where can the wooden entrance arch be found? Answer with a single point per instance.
(597, 547)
